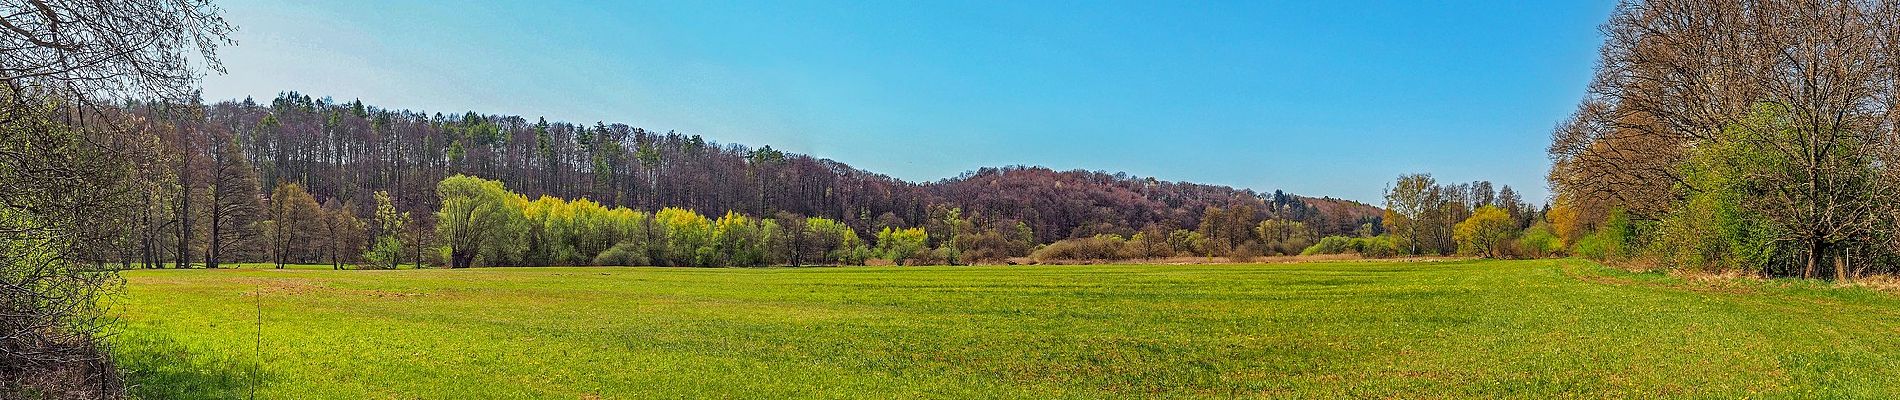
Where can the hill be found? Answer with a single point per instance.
(344, 151)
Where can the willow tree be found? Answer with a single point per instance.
(479, 218)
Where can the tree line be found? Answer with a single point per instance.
(1753, 136)
(482, 222)
(1421, 217)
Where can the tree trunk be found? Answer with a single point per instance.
(1840, 268)
(1814, 255)
(211, 249)
(183, 257)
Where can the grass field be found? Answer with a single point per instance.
(1528, 329)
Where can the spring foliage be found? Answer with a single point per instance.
(483, 223)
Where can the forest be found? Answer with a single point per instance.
(240, 181)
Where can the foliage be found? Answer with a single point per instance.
(1775, 157)
(1369, 247)
(623, 254)
(1188, 242)
(1284, 237)
(64, 199)
(835, 243)
(1565, 221)
(479, 220)
(295, 220)
(386, 250)
(1151, 242)
(1485, 232)
(344, 235)
(1611, 240)
(1098, 247)
(1539, 241)
(689, 238)
(1713, 229)
(1330, 245)
(902, 246)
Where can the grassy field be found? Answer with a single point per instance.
(1528, 329)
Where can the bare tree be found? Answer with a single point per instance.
(68, 186)
(1808, 84)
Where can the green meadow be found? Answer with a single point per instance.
(1519, 329)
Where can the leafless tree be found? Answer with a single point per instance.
(1808, 83)
(67, 180)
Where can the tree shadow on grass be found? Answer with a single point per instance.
(159, 368)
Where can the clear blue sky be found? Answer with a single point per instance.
(1323, 98)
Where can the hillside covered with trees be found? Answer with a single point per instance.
(231, 174)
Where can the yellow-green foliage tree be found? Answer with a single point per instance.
(479, 218)
(902, 245)
(550, 232)
(688, 237)
(1565, 222)
(594, 228)
(951, 230)
(386, 250)
(741, 241)
(1485, 232)
(1150, 242)
(835, 242)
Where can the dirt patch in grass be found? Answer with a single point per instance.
(1703, 283)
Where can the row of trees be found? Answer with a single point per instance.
(1422, 217)
(1755, 136)
(482, 222)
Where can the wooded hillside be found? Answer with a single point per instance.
(343, 152)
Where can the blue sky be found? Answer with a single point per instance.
(1322, 98)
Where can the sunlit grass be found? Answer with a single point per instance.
(1532, 329)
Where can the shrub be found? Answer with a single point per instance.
(1538, 242)
(1247, 252)
(1369, 247)
(1612, 240)
(900, 245)
(1098, 247)
(1330, 245)
(623, 254)
(1148, 244)
(1381, 246)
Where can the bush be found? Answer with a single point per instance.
(1148, 244)
(900, 245)
(385, 253)
(1330, 245)
(1611, 241)
(1247, 252)
(1098, 247)
(1369, 247)
(1381, 246)
(1538, 242)
(624, 254)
